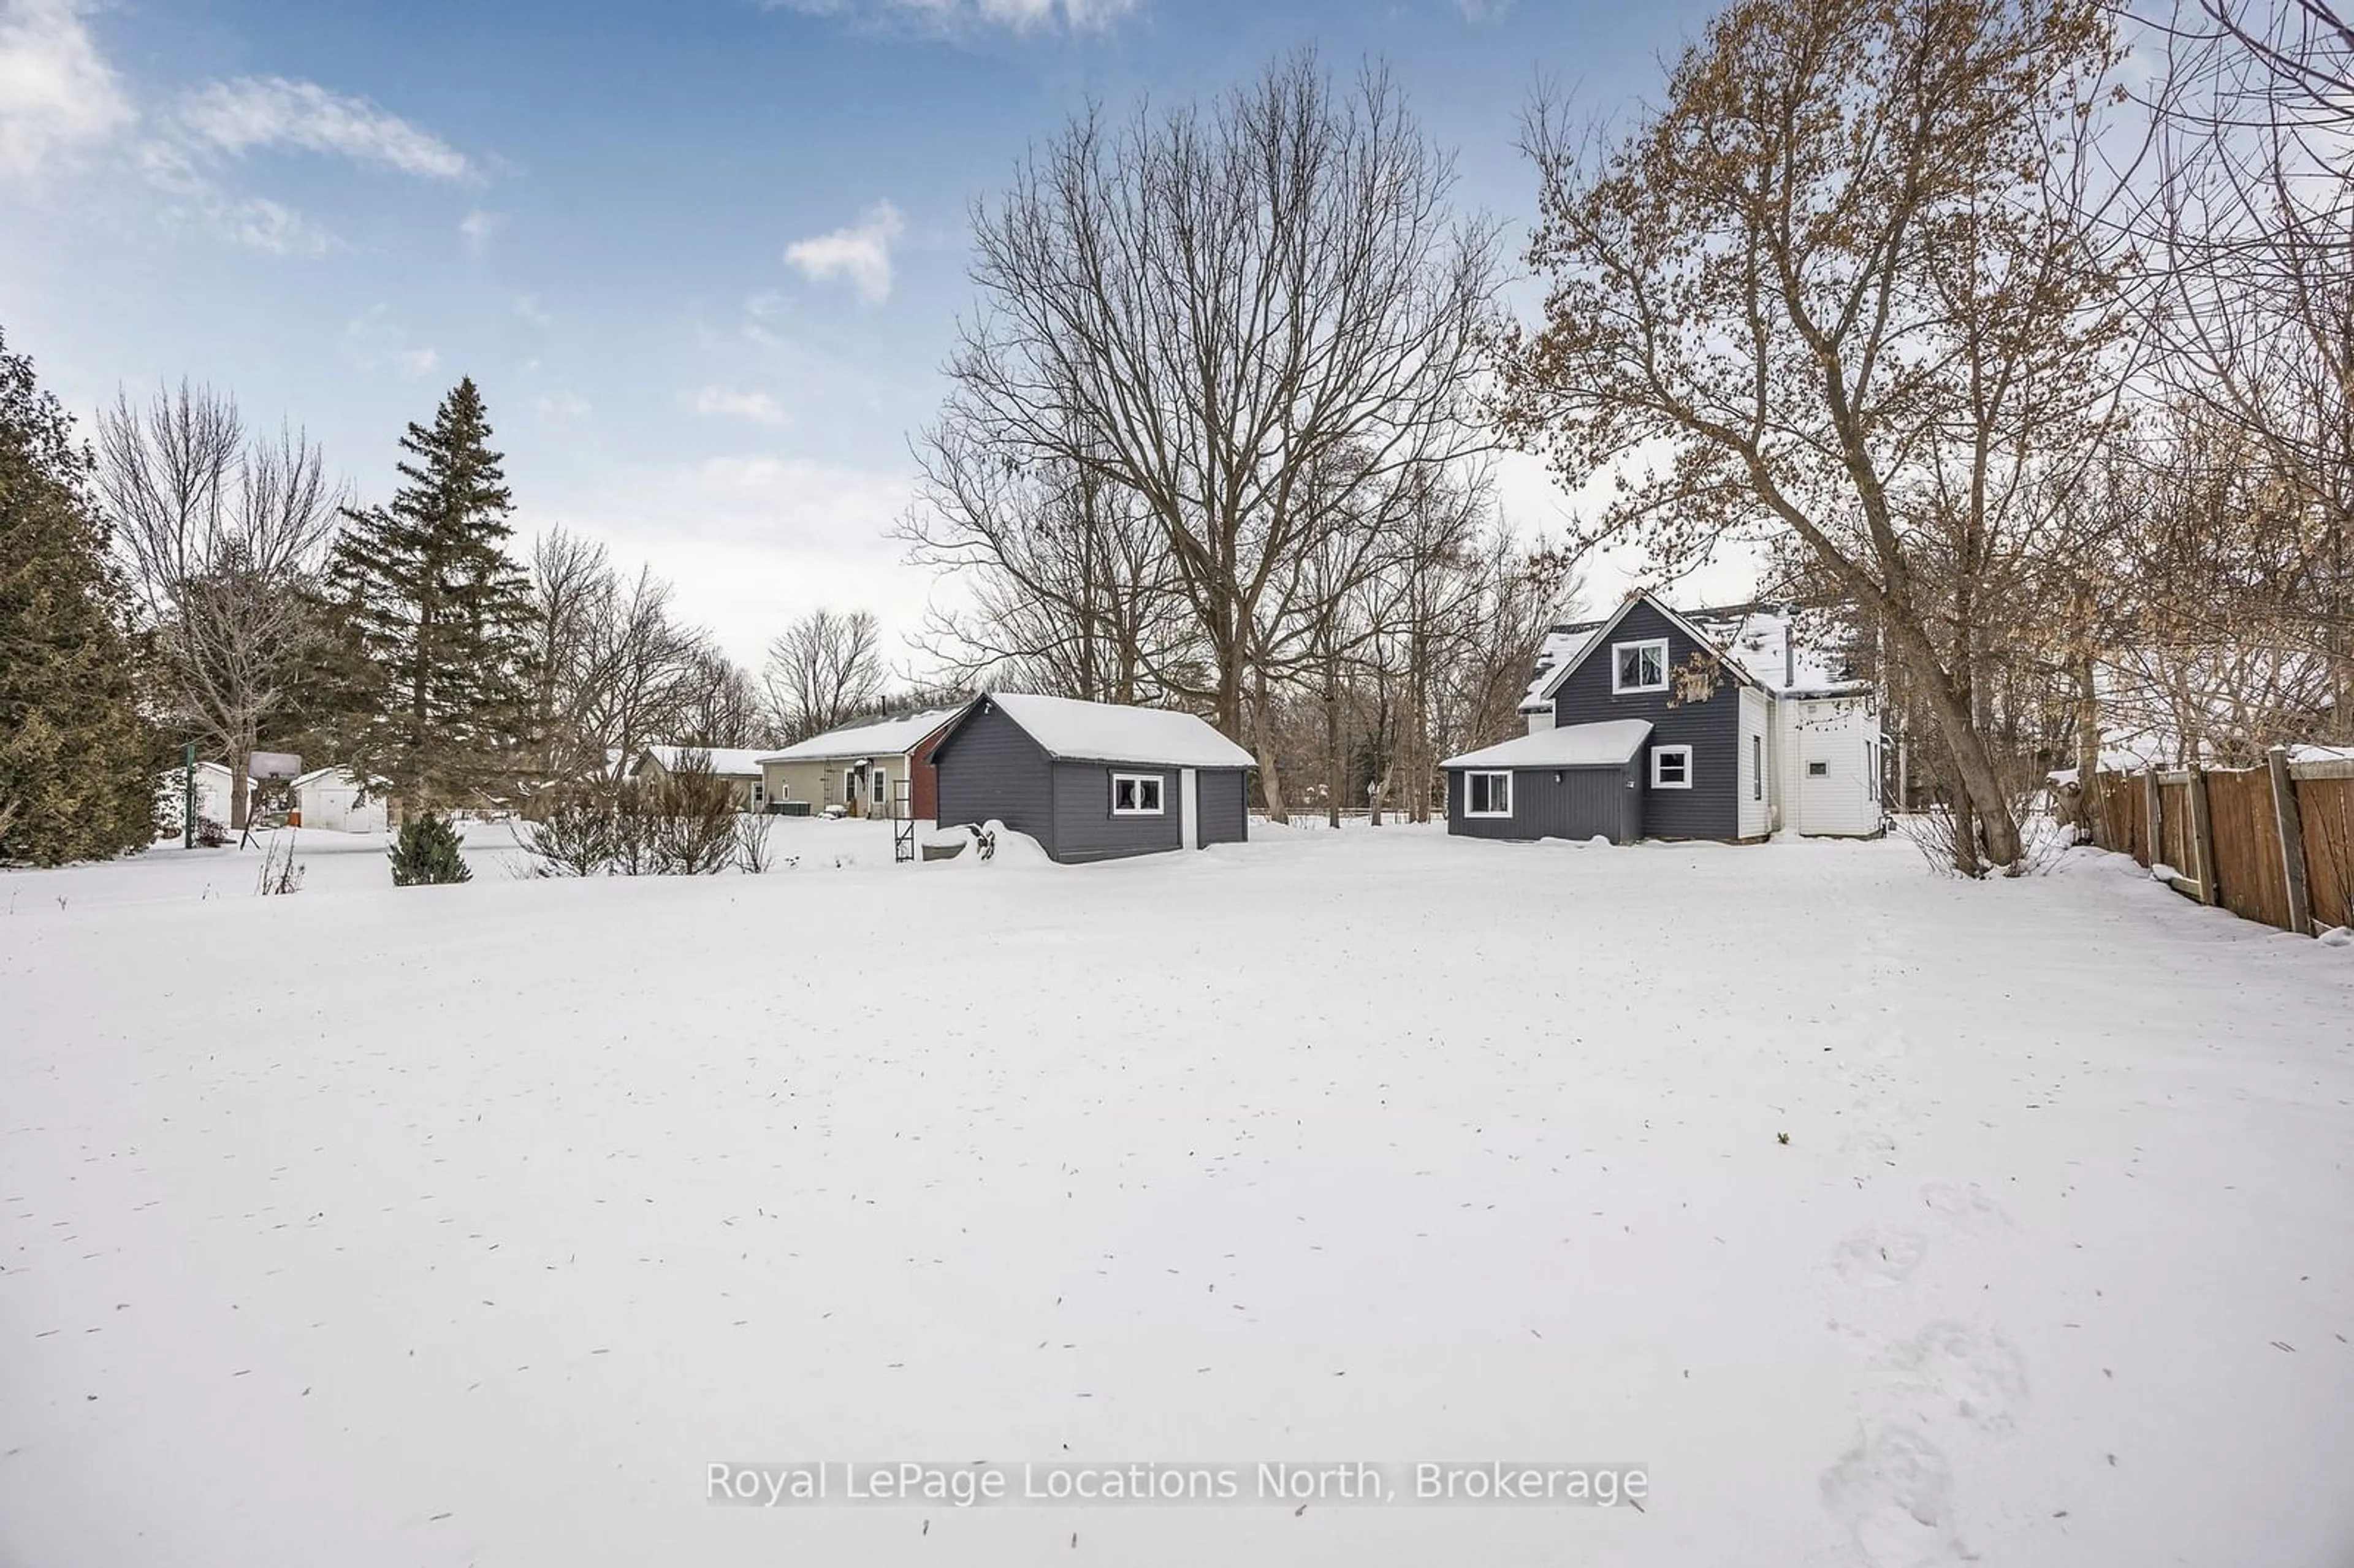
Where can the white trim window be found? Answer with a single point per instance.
(1487, 794)
(1757, 768)
(1672, 768)
(1638, 666)
(882, 784)
(1136, 795)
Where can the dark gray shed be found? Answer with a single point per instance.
(1575, 782)
(1091, 780)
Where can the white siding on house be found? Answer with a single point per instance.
(1755, 793)
(1831, 748)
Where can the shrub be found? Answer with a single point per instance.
(426, 853)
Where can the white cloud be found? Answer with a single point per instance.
(476, 228)
(1483, 10)
(561, 406)
(374, 343)
(271, 228)
(752, 542)
(528, 308)
(859, 255)
(236, 117)
(58, 94)
(725, 403)
(945, 17)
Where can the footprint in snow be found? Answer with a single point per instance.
(1875, 1257)
(1894, 1492)
(1952, 1369)
(1965, 1205)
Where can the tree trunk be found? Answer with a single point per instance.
(1270, 779)
(1334, 780)
(1973, 766)
(2090, 805)
(240, 783)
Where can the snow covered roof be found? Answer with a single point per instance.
(728, 762)
(1762, 639)
(1562, 646)
(318, 773)
(1606, 742)
(1757, 641)
(1108, 732)
(874, 737)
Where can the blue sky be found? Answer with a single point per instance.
(705, 257)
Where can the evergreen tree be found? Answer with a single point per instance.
(436, 617)
(77, 760)
(426, 853)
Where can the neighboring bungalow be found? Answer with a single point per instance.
(1092, 780)
(860, 768)
(336, 800)
(740, 767)
(1657, 725)
(214, 782)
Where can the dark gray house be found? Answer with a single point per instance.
(1091, 780)
(1653, 724)
(1571, 783)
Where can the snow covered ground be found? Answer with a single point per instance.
(471, 1224)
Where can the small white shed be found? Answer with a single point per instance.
(213, 781)
(329, 799)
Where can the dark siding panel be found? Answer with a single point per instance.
(1587, 801)
(990, 768)
(1085, 828)
(1225, 815)
(1710, 807)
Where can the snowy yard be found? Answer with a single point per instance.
(470, 1224)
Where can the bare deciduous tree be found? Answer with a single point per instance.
(222, 537)
(1844, 287)
(617, 672)
(825, 668)
(2252, 242)
(1201, 309)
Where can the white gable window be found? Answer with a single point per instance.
(1487, 794)
(1672, 768)
(1136, 795)
(1639, 666)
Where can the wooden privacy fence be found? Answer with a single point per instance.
(2274, 843)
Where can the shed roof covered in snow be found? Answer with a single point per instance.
(1609, 743)
(728, 762)
(874, 737)
(1108, 732)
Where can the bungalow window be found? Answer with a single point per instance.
(1136, 795)
(1487, 794)
(1638, 666)
(1672, 768)
(882, 786)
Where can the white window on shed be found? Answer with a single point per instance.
(1672, 768)
(1757, 768)
(1487, 794)
(1639, 666)
(1136, 795)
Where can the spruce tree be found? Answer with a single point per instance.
(436, 617)
(77, 761)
